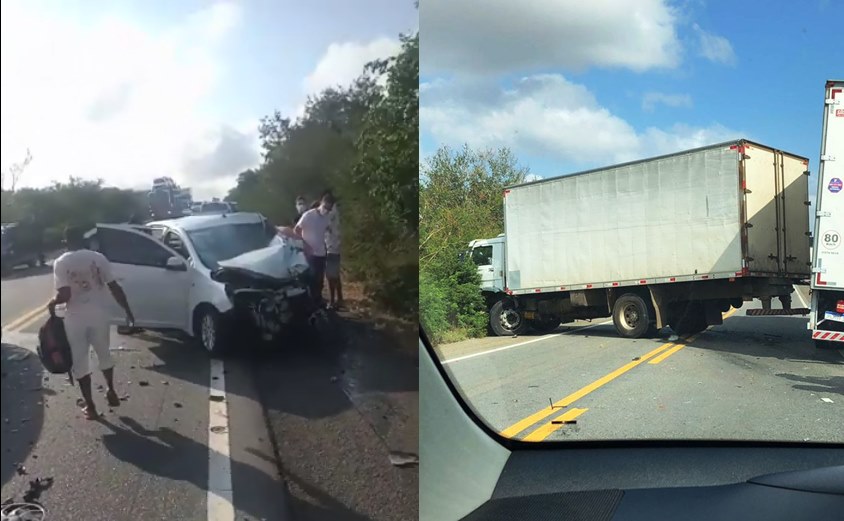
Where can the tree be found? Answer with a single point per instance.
(460, 199)
(15, 172)
(361, 141)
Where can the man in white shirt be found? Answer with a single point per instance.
(311, 228)
(332, 260)
(84, 282)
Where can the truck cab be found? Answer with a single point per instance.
(488, 256)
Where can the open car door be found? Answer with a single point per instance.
(155, 278)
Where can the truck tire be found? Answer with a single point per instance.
(631, 316)
(689, 319)
(504, 320)
(547, 325)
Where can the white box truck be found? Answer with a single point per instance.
(826, 320)
(671, 241)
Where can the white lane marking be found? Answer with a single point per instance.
(802, 300)
(220, 496)
(546, 337)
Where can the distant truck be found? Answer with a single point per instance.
(826, 320)
(675, 241)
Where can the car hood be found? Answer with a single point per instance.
(281, 261)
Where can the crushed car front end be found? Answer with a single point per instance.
(270, 291)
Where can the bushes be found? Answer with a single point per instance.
(460, 200)
(361, 142)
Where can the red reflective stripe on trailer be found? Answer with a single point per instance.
(704, 276)
(615, 283)
(562, 288)
(537, 290)
(672, 279)
(738, 148)
(818, 280)
(643, 282)
(589, 285)
(833, 92)
(826, 334)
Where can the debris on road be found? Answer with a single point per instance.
(218, 429)
(14, 357)
(20, 469)
(143, 383)
(177, 405)
(403, 459)
(827, 400)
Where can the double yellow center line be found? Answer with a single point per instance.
(543, 431)
(27, 319)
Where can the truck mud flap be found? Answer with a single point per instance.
(712, 310)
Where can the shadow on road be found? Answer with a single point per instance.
(162, 452)
(821, 385)
(22, 406)
(767, 337)
(328, 508)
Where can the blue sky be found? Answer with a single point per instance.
(573, 85)
(140, 89)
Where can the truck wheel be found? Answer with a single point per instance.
(690, 319)
(505, 320)
(545, 326)
(631, 316)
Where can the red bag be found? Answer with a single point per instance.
(53, 347)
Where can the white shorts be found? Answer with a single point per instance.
(82, 334)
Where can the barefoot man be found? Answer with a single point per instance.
(83, 281)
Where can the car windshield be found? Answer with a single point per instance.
(228, 241)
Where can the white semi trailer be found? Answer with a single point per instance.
(826, 320)
(671, 241)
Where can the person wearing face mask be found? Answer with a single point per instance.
(311, 228)
(301, 206)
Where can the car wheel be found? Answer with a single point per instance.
(505, 320)
(209, 331)
(631, 316)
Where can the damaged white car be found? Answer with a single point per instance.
(222, 279)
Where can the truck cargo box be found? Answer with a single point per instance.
(728, 210)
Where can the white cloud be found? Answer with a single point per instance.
(714, 48)
(551, 117)
(533, 177)
(651, 99)
(109, 98)
(507, 36)
(343, 63)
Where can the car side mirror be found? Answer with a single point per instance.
(176, 264)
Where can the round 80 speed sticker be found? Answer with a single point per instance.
(830, 239)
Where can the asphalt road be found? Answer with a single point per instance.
(306, 434)
(758, 378)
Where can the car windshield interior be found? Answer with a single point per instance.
(225, 242)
